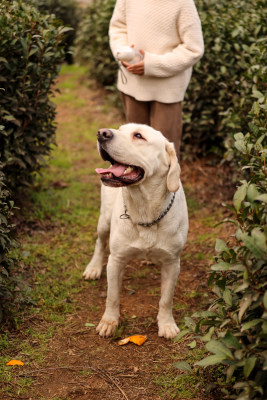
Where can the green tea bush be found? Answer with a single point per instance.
(6, 243)
(235, 325)
(69, 14)
(14, 292)
(92, 43)
(30, 57)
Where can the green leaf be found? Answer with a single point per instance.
(208, 336)
(250, 324)
(262, 197)
(244, 304)
(183, 365)
(240, 146)
(239, 136)
(230, 372)
(242, 287)
(221, 246)
(264, 327)
(33, 51)
(252, 192)
(238, 267)
(211, 360)
(265, 300)
(228, 297)
(220, 266)
(192, 345)
(257, 94)
(255, 243)
(260, 238)
(216, 347)
(231, 341)
(240, 195)
(239, 354)
(190, 323)
(249, 365)
(181, 335)
(65, 29)
(204, 314)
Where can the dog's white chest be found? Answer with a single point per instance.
(147, 238)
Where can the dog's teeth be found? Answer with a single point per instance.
(128, 170)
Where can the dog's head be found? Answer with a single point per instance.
(136, 153)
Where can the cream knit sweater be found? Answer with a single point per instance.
(169, 31)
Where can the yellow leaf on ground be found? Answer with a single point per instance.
(14, 362)
(137, 339)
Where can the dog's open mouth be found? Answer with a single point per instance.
(118, 174)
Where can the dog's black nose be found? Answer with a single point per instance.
(104, 134)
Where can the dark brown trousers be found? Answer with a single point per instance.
(166, 118)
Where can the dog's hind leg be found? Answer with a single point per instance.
(166, 323)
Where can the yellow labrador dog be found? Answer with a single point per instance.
(143, 208)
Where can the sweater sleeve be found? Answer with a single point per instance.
(117, 28)
(187, 53)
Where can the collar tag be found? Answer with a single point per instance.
(125, 216)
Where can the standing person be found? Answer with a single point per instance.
(168, 34)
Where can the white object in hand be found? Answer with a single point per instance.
(129, 54)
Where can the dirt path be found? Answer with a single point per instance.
(66, 359)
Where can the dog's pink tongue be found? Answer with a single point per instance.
(116, 169)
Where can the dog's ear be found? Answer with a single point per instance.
(173, 177)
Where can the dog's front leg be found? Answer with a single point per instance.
(166, 323)
(110, 318)
(94, 268)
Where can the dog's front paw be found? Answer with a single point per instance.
(107, 327)
(168, 329)
(92, 272)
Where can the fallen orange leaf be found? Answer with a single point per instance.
(14, 362)
(137, 339)
(124, 341)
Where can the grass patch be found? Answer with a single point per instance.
(178, 306)
(177, 386)
(69, 97)
(66, 205)
(77, 71)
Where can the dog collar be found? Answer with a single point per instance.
(148, 224)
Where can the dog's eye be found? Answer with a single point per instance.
(138, 135)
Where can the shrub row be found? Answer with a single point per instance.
(30, 57)
(235, 326)
(68, 13)
(233, 65)
(6, 242)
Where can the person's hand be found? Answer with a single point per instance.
(138, 68)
